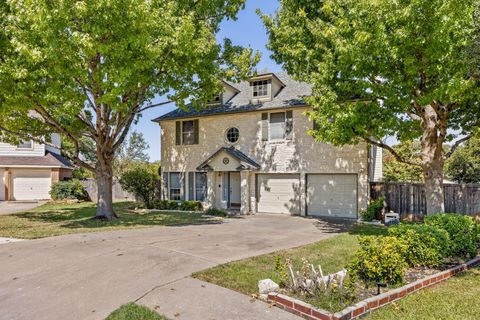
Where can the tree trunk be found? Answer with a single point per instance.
(432, 160)
(104, 178)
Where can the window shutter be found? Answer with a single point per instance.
(265, 126)
(166, 190)
(289, 125)
(195, 131)
(191, 186)
(178, 133)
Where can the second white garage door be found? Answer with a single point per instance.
(332, 195)
(31, 184)
(279, 193)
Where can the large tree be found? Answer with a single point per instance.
(88, 69)
(407, 68)
(396, 171)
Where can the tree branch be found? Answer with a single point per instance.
(155, 105)
(456, 145)
(392, 151)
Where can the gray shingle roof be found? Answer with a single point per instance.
(292, 95)
(50, 160)
(245, 161)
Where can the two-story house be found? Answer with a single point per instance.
(250, 150)
(28, 170)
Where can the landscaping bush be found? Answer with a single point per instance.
(167, 205)
(379, 259)
(191, 206)
(68, 190)
(143, 183)
(215, 212)
(427, 245)
(373, 211)
(462, 231)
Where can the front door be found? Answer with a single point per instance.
(234, 188)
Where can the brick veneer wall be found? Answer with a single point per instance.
(310, 312)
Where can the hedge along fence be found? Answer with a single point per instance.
(117, 191)
(409, 198)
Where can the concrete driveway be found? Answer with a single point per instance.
(86, 276)
(9, 207)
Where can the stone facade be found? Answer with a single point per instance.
(301, 155)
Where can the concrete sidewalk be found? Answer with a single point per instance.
(9, 207)
(86, 276)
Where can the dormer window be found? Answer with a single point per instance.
(216, 100)
(260, 88)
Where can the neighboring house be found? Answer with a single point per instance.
(27, 171)
(249, 149)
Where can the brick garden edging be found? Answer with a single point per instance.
(310, 312)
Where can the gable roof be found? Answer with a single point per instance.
(50, 160)
(291, 95)
(246, 163)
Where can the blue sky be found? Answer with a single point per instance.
(247, 31)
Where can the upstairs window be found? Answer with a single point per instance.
(260, 88)
(277, 126)
(216, 100)
(186, 132)
(26, 144)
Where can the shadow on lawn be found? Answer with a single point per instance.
(76, 216)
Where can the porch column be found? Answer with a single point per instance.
(303, 191)
(210, 200)
(244, 192)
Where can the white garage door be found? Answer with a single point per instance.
(278, 193)
(2, 184)
(332, 195)
(31, 184)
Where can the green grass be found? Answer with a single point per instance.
(457, 298)
(332, 254)
(132, 311)
(54, 219)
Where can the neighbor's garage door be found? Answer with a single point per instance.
(278, 193)
(332, 195)
(31, 184)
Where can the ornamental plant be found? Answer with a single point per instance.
(380, 259)
(426, 245)
(462, 230)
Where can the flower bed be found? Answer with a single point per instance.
(310, 312)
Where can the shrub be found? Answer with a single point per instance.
(167, 205)
(191, 206)
(69, 189)
(373, 211)
(462, 231)
(143, 183)
(379, 259)
(427, 245)
(215, 212)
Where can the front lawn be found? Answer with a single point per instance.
(332, 254)
(456, 298)
(54, 219)
(132, 311)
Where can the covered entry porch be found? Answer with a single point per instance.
(229, 178)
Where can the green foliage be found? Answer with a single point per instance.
(463, 231)
(191, 206)
(464, 164)
(81, 173)
(215, 212)
(132, 311)
(167, 205)
(143, 183)
(396, 171)
(374, 210)
(131, 153)
(68, 190)
(281, 269)
(426, 245)
(379, 259)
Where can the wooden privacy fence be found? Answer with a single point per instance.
(409, 198)
(117, 191)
